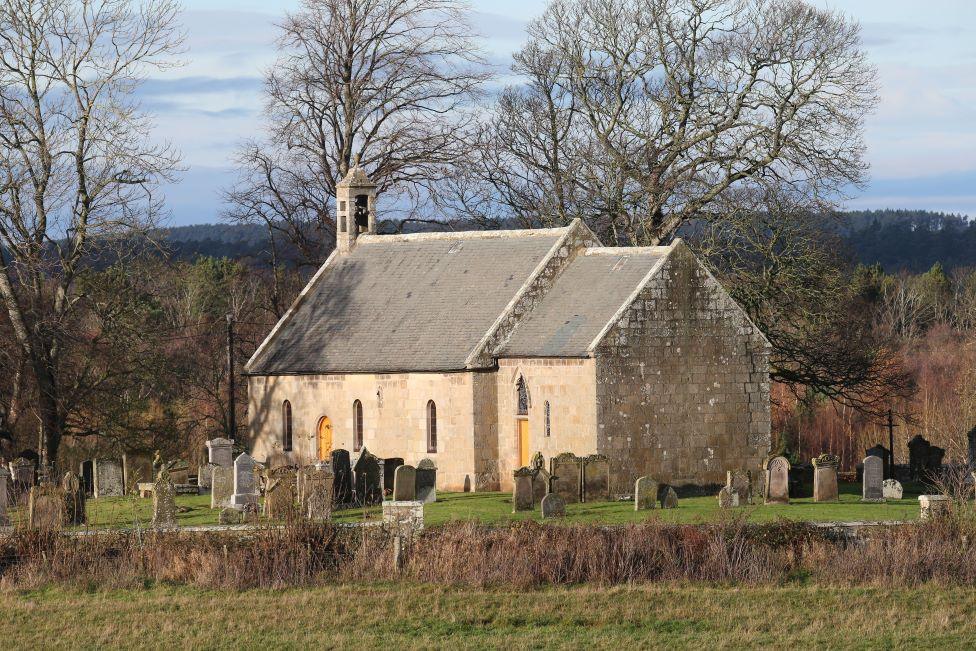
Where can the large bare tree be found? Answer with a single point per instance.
(386, 81)
(78, 169)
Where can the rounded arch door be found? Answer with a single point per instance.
(325, 438)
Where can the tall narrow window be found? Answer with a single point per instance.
(357, 426)
(523, 397)
(431, 426)
(286, 426)
(548, 420)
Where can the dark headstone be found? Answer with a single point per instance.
(668, 497)
(87, 475)
(936, 455)
(540, 484)
(873, 479)
(882, 452)
(46, 508)
(389, 473)
(426, 481)
(522, 490)
(596, 478)
(918, 456)
(738, 481)
(553, 506)
(369, 478)
(405, 484)
(971, 440)
(566, 471)
(342, 488)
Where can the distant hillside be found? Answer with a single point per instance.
(910, 240)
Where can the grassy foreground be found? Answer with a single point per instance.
(415, 616)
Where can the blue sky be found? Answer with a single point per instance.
(921, 139)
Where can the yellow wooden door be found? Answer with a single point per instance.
(523, 441)
(325, 439)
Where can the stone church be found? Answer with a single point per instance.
(478, 349)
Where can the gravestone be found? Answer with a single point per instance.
(280, 495)
(389, 473)
(727, 498)
(918, 456)
(825, 478)
(4, 496)
(565, 470)
(738, 481)
(245, 483)
(540, 484)
(108, 478)
(205, 476)
(179, 473)
(136, 469)
(522, 491)
(778, 481)
(369, 478)
(553, 506)
(933, 506)
(935, 456)
(971, 440)
(317, 495)
(220, 452)
(45, 508)
(873, 478)
(222, 487)
(403, 518)
(891, 489)
(228, 515)
(22, 477)
(669, 498)
(758, 480)
(882, 453)
(87, 473)
(645, 494)
(405, 484)
(596, 478)
(426, 481)
(74, 499)
(342, 486)
(164, 501)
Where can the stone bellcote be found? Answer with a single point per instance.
(355, 208)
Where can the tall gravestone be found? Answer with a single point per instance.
(522, 491)
(342, 488)
(280, 494)
(668, 497)
(825, 478)
(778, 481)
(389, 473)
(317, 495)
(108, 478)
(882, 453)
(566, 469)
(727, 498)
(22, 478)
(918, 456)
(221, 487)
(540, 484)
(738, 481)
(220, 452)
(596, 478)
(369, 478)
(405, 484)
(426, 481)
(4, 496)
(205, 476)
(86, 471)
(45, 507)
(245, 484)
(74, 499)
(758, 480)
(645, 494)
(164, 501)
(871, 485)
(935, 457)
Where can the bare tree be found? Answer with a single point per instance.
(689, 100)
(77, 170)
(386, 81)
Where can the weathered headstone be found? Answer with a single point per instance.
(645, 494)
(825, 478)
(566, 470)
(205, 476)
(405, 484)
(45, 507)
(136, 469)
(933, 506)
(918, 456)
(778, 481)
(369, 478)
(22, 478)
(222, 487)
(426, 481)
(738, 481)
(179, 473)
(669, 498)
(4, 496)
(553, 506)
(596, 478)
(873, 478)
(317, 495)
(891, 489)
(228, 515)
(389, 473)
(221, 452)
(108, 478)
(522, 491)
(882, 453)
(74, 499)
(540, 484)
(728, 498)
(164, 501)
(280, 495)
(342, 487)
(245, 483)
(758, 479)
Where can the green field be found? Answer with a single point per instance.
(497, 508)
(409, 616)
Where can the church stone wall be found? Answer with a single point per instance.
(569, 385)
(394, 417)
(682, 382)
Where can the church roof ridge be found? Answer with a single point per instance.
(626, 250)
(457, 235)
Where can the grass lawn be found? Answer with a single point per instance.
(497, 508)
(410, 616)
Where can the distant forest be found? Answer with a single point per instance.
(898, 240)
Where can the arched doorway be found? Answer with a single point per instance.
(325, 438)
(522, 421)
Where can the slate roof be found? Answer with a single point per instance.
(404, 303)
(581, 302)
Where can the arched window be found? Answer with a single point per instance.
(523, 397)
(286, 426)
(357, 426)
(431, 426)
(548, 420)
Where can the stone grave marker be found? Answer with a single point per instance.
(540, 484)
(738, 481)
(342, 488)
(596, 478)
(426, 481)
(403, 518)
(873, 477)
(220, 452)
(778, 481)
(553, 506)
(758, 480)
(880, 451)
(522, 491)
(566, 473)
(825, 478)
(22, 478)
(727, 498)
(669, 498)
(246, 490)
(136, 469)
(918, 456)
(317, 495)
(935, 456)
(45, 508)
(164, 501)
(280, 494)
(205, 476)
(4, 497)
(108, 478)
(87, 473)
(389, 473)
(891, 489)
(405, 484)
(222, 487)
(74, 499)
(933, 506)
(369, 478)
(645, 494)
(228, 515)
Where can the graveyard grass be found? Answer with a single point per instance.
(423, 616)
(496, 508)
